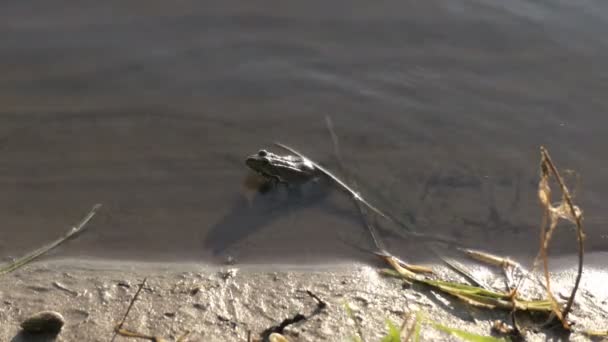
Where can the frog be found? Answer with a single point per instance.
(287, 169)
(296, 168)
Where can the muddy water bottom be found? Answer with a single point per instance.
(440, 110)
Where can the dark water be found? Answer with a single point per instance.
(150, 107)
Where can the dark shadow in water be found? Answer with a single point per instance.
(247, 217)
(452, 180)
(269, 204)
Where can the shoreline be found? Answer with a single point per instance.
(595, 259)
(229, 302)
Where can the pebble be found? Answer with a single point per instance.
(124, 283)
(44, 322)
(276, 337)
(229, 273)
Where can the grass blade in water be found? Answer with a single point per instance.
(43, 250)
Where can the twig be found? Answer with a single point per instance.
(361, 200)
(370, 228)
(579, 228)
(63, 288)
(183, 337)
(134, 334)
(119, 327)
(334, 138)
(341, 184)
(409, 331)
(508, 266)
(45, 249)
(383, 252)
(321, 304)
(463, 271)
(129, 333)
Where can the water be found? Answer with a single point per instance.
(151, 107)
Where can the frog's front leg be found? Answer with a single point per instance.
(270, 183)
(266, 187)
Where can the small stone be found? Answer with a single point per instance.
(276, 337)
(362, 299)
(44, 322)
(397, 312)
(200, 306)
(291, 331)
(501, 327)
(565, 295)
(38, 288)
(124, 283)
(229, 273)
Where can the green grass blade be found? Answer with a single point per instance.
(465, 335)
(351, 315)
(394, 334)
(418, 327)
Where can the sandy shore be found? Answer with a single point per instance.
(229, 303)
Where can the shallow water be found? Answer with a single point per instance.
(440, 107)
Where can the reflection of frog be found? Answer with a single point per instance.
(287, 169)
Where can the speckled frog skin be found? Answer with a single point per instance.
(287, 169)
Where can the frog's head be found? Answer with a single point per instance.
(260, 162)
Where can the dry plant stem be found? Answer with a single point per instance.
(119, 327)
(462, 270)
(356, 196)
(579, 228)
(128, 333)
(410, 331)
(44, 249)
(372, 231)
(383, 252)
(184, 336)
(544, 193)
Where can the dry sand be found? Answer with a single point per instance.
(228, 303)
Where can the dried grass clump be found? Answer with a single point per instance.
(565, 209)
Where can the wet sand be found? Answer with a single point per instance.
(216, 304)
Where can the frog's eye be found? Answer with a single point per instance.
(262, 153)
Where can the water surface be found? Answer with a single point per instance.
(150, 108)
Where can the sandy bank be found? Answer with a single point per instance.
(228, 303)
